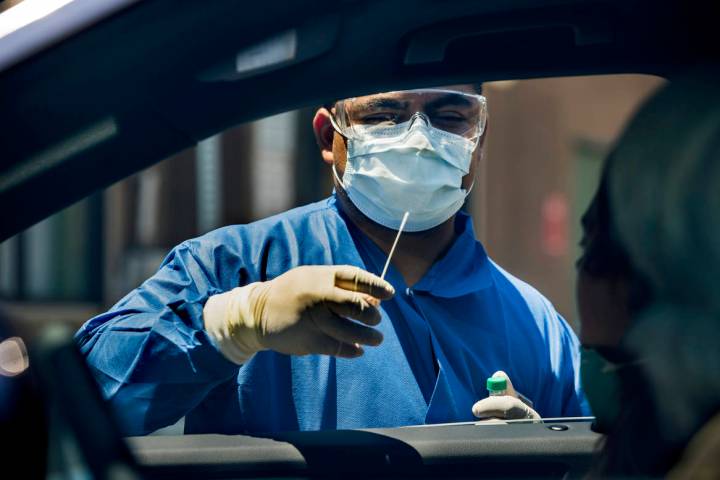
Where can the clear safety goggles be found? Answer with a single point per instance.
(382, 114)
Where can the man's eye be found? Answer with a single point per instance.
(450, 117)
(377, 118)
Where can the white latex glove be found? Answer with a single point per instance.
(506, 407)
(303, 311)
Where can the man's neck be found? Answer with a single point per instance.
(416, 251)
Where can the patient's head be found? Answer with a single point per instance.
(660, 223)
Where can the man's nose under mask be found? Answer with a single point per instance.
(399, 169)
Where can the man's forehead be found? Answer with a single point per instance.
(400, 94)
(465, 88)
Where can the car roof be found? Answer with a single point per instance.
(133, 84)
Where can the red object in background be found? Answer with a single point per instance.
(554, 225)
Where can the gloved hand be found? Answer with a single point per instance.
(305, 310)
(507, 407)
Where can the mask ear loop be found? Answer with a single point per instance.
(472, 185)
(338, 130)
(337, 177)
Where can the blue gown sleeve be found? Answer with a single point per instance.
(574, 403)
(150, 353)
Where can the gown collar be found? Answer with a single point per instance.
(464, 269)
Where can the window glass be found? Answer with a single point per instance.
(545, 143)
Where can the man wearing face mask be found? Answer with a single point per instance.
(265, 327)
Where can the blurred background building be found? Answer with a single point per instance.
(546, 143)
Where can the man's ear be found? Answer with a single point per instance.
(324, 134)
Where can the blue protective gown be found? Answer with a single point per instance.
(465, 319)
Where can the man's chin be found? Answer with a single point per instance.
(362, 220)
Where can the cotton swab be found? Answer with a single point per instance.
(392, 250)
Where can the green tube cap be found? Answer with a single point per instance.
(496, 384)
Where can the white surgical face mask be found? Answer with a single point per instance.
(407, 168)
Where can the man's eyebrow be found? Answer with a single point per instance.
(380, 103)
(449, 99)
